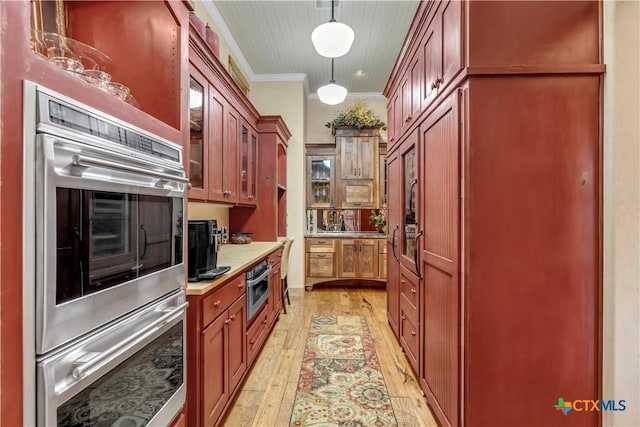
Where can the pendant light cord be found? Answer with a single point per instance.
(332, 80)
(332, 18)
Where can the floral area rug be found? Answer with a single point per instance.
(340, 381)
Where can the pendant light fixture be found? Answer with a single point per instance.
(332, 93)
(332, 39)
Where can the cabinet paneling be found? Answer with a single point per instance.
(439, 257)
(358, 258)
(265, 213)
(394, 212)
(487, 241)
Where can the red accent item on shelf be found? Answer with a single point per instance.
(213, 41)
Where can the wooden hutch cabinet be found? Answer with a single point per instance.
(498, 270)
(358, 172)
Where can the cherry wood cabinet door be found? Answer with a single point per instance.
(215, 375)
(237, 357)
(229, 160)
(439, 257)
(394, 210)
(431, 52)
(450, 14)
(216, 144)
(199, 136)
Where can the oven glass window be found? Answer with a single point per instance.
(107, 238)
(134, 391)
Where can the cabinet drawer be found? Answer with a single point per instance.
(321, 245)
(409, 332)
(275, 257)
(221, 299)
(409, 288)
(257, 333)
(320, 265)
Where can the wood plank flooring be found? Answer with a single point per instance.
(266, 397)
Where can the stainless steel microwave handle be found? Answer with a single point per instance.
(259, 278)
(84, 365)
(86, 161)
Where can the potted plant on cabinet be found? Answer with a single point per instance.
(358, 115)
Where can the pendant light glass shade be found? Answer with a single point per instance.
(332, 39)
(332, 93)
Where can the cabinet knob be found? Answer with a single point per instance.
(226, 322)
(241, 285)
(216, 304)
(413, 333)
(413, 290)
(252, 342)
(403, 317)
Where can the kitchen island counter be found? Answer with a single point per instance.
(239, 258)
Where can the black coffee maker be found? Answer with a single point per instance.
(204, 243)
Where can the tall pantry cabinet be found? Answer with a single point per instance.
(508, 231)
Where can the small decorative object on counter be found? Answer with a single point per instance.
(378, 218)
(241, 238)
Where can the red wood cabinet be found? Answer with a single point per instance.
(221, 345)
(394, 212)
(156, 35)
(224, 360)
(409, 323)
(267, 220)
(248, 164)
(439, 258)
(216, 352)
(223, 154)
(508, 294)
(394, 113)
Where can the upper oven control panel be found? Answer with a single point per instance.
(91, 124)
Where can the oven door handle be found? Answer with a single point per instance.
(86, 161)
(89, 360)
(252, 282)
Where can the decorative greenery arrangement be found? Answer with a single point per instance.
(378, 217)
(358, 115)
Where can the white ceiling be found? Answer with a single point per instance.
(275, 39)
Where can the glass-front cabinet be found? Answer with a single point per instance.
(197, 135)
(248, 164)
(409, 193)
(321, 181)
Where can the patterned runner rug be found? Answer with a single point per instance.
(340, 380)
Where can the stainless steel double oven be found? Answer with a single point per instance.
(103, 235)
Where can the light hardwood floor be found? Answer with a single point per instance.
(267, 395)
